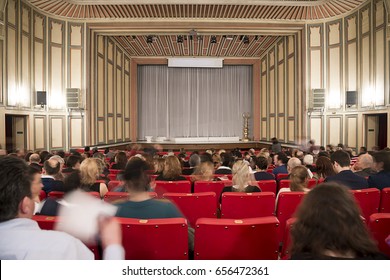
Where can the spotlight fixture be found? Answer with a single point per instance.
(179, 39)
(213, 40)
(149, 39)
(245, 40)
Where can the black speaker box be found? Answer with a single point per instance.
(351, 98)
(41, 98)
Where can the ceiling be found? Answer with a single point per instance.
(130, 22)
(198, 9)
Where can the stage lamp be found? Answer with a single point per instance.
(213, 40)
(245, 39)
(149, 39)
(179, 39)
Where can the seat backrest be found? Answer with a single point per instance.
(172, 186)
(379, 225)
(267, 185)
(115, 171)
(112, 177)
(368, 201)
(284, 183)
(285, 254)
(155, 239)
(49, 222)
(194, 205)
(240, 205)
(286, 207)
(281, 176)
(229, 239)
(188, 177)
(42, 195)
(113, 184)
(211, 186)
(385, 201)
(56, 194)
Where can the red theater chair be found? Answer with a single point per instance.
(287, 239)
(281, 176)
(56, 194)
(115, 171)
(42, 195)
(211, 186)
(267, 185)
(113, 184)
(48, 223)
(368, 200)
(385, 201)
(237, 205)
(115, 197)
(286, 207)
(379, 225)
(228, 239)
(194, 205)
(155, 239)
(172, 187)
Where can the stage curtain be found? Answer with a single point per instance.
(193, 102)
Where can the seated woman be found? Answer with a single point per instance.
(172, 170)
(90, 170)
(324, 168)
(299, 179)
(203, 172)
(241, 179)
(139, 204)
(329, 226)
(261, 170)
(159, 164)
(382, 166)
(120, 161)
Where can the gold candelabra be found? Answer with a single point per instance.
(246, 117)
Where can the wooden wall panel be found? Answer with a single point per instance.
(316, 129)
(315, 69)
(100, 88)
(291, 131)
(365, 72)
(57, 132)
(291, 87)
(335, 130)
(56, 64)
(76, 130)
(380, 70)
(75, 56)
(40, 132)
(11, 71)
(351, 135)
(1, 71)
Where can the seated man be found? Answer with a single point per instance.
(382, 165)
(363, 166)
(341, 165)
(21, 237)
(280, 161)
(72, 164)
(51, 168)
(34, 161)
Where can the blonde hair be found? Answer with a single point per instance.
(90, 169)
(299, 179)
(159, 164)
(241, 175)
(172, 167)
(200, 172)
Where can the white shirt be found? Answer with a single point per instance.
(22, 239)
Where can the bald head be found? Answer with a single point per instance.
(293, 162)
(34, 158)
(51, 167)
(365, 161)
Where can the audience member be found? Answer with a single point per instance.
(341, 164)
(194, 161)
(324, 168)
(308, 161)
(51, 168)
(299, 179)
(261, 170)
(280, 161)
(363, 167)
(172, 170)
(90, 170)
(120, 161)
(204, 172)
(382, 165)
(59, 176)
(72, 164)
(227, 161)
(21, 237)
(34, 161)
(276, 147)
(329, 226)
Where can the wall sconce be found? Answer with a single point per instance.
(368, 97)
(334, 99)
(57, 100)
(18, 96)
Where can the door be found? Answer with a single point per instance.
(376, 131)
(15, 132)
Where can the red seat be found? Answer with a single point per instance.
(49, 222)
(368, 200)
(385, 201)
(237, 205)
(379, 225)
(229, 239)
(56, 194)
(115, 171)
(267, 185)
(112, 176)
(155, 239)
(224, 176)
(211, 186)
(194, 205)
(281, 176)
(284, 183)
(113, 184)
(172, 186)
(42, 195)
(115, 197)
(188, 177)
(285, 254)
(285, 209)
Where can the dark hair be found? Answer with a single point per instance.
(43, 155)
(61, 154)
(227, 159)
(282, 157)
(73, 160)
(206, 157)
(135, 175)
(73, 182)
(341, 157)
(87, 149)
(262, 163)
(50, 170)
(15, 184)
(274, 140)
(329, 219)
(121, 160)
(383, 156)
(324, 154)
(27, 156)
(324, 167)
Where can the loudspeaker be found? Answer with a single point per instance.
(351, 98)
(41, 98)
(73, 98)
(317, 99)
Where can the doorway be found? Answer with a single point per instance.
(15, 132)
(376, 131)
